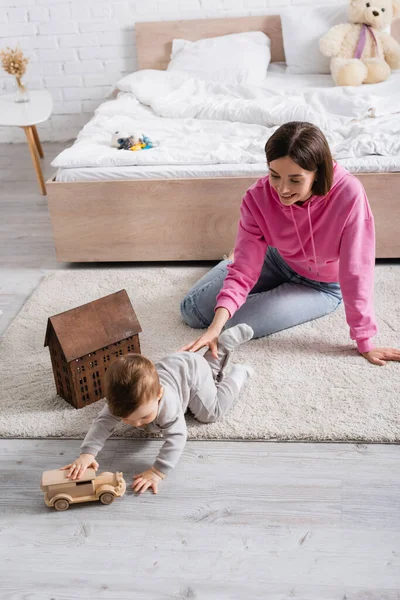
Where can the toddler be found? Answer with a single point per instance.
(156, 397)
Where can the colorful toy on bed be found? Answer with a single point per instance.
(360, 50)
(133, 141)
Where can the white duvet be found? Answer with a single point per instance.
(203, 123)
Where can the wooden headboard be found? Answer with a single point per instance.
(154, 40)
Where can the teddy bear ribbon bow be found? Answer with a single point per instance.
(362, 39)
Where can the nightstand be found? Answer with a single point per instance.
(27, 115)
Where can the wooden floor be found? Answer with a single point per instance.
(26, 246)
(235, 520)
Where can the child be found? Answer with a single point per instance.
(156, 397)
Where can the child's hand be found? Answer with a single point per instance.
(148, 479)
(79, 466)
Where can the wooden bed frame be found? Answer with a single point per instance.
(183, 219)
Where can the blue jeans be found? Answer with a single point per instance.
(280, 299)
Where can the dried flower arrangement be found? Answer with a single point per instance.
(14, 63)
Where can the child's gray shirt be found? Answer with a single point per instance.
(182, 375)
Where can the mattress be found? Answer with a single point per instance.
(368, 164)
(211, 130)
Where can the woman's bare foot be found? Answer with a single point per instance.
(230, 255)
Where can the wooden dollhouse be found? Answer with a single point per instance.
(85, 340)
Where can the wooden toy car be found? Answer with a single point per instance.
(60, 491)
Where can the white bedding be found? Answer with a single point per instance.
(203, 126)
(368, 164)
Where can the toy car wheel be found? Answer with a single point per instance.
(61, 504)
(107, 498)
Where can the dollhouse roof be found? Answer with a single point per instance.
(90, 327)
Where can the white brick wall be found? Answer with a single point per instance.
(79, 48)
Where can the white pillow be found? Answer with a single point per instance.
(302, 28)
(239, 58)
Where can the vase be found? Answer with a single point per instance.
(21, 95)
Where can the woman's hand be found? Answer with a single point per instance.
(79, 466)
(379, 356)
(209, 338)
(148, 479)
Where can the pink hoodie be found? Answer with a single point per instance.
(330, 238)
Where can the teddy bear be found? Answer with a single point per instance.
(134, 141)
(361, 51)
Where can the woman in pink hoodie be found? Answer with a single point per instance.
(305, 241)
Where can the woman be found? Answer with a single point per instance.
(305, 241)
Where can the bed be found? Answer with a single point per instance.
(102, 211)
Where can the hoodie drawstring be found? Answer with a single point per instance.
(311, 234)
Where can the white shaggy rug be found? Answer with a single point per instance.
(310, 382)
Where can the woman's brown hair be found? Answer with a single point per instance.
(307, 146)
(131, 380)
